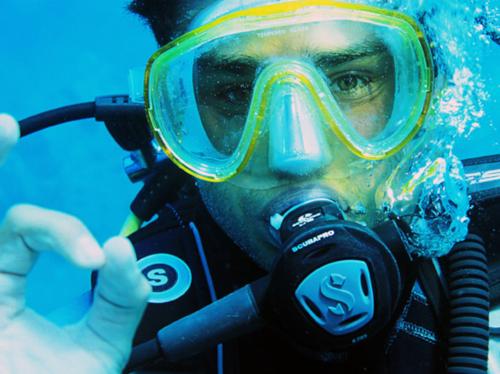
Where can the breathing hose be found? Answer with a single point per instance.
(469, 307)
(125, 119)
(57, 116)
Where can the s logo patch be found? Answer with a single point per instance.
(168, 275)
(157, 277)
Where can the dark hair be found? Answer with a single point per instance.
(164, 17)
(167, 17)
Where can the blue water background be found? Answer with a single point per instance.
(55, 53)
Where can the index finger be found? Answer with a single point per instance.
(9, 134)
(28, 230)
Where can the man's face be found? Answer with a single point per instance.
(359, 74)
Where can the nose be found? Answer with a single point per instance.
(297, 142)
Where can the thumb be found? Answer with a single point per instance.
(119, 302)
(9, 134)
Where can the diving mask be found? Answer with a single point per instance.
(289, 81)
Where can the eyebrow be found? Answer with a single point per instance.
(358, 51)
(247, 65)
(244, 65)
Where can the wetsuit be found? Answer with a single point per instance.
(414, 344)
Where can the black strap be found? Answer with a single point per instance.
(434, 288)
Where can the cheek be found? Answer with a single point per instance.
(235, 209)
(370, 118)
(237, 213)
(224, 133)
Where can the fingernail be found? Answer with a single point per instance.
(9, 129)
(9, 133)
(89, 253)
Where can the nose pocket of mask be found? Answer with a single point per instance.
(297, 141)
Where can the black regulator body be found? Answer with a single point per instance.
(337, 283)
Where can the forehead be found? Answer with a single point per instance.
(344, 37)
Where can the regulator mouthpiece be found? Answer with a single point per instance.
(302, 216)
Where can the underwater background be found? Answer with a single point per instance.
(56, 53)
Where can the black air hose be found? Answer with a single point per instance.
(469, 307)
(57, 116)
(125, 119)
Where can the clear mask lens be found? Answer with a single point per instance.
(292, 86)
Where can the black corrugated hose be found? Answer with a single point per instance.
(469, 307)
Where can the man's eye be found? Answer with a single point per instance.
(351, 86)
(351, 82)
(238, 94)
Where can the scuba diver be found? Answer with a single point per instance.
(311, 215)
